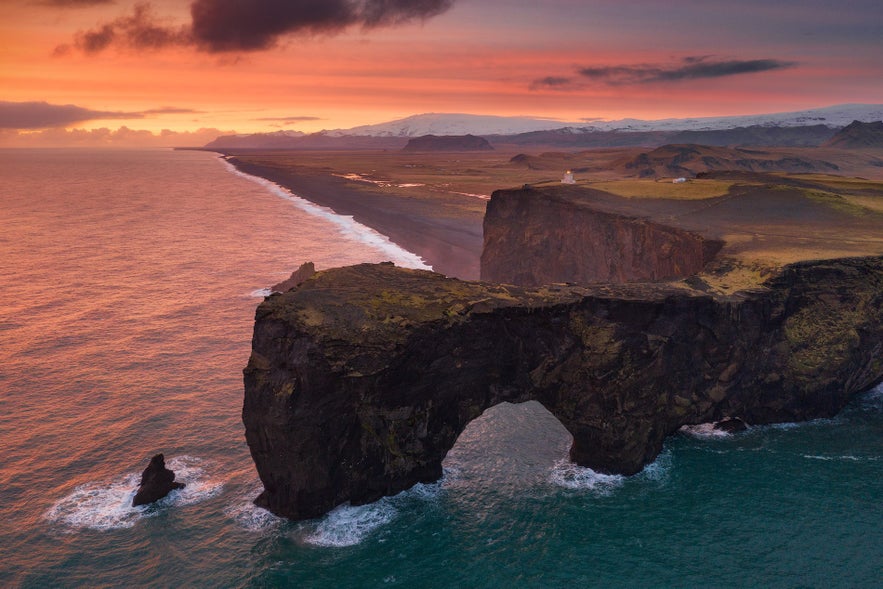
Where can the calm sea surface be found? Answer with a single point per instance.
(128, 283)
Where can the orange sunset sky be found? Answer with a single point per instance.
(171, 68)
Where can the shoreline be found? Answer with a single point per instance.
(452, 246)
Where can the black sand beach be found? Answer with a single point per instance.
(443, 234)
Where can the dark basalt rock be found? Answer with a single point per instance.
(305, 271)
(157, 481)
(362, 378)
(731, 425)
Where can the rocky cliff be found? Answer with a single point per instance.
(361, 378)
(540, 236)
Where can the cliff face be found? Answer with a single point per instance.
(361, 379)
(534, 237)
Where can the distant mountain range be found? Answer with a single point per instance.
(808, 127)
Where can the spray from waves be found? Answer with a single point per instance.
(348, 227)
(570, 476)
(108, 505)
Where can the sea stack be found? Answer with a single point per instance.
(157, 481)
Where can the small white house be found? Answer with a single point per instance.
(678, 180)
(568, 178)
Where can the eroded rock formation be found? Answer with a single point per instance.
(157, 481)
(361, 378)
(534, 237)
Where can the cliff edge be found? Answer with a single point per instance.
(361, 378)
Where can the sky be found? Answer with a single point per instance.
(183, 71)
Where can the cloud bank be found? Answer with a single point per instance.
(251, 25)
(104, 137)
(40, 115)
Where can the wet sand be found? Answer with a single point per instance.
(447, 237)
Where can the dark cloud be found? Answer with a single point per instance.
(252, 25)
(141, 30)
(552, 83)
(40, 115)
(689, 68)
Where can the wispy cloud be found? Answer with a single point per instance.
(235, 25)
(288, 120)
(689, 68)
(171, 110)
(553, 83)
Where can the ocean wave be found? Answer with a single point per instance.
(570, 476)
(846, 457)
(260, 293)
(251, 517)
(108, 505)
(348, 525)
(704, 430)
(659, 469)
(345, 224)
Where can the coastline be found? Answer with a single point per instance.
(450, 243)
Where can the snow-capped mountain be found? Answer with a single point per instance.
(453, 124)
(831, 116)
(484, 125)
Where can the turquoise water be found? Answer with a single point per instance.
(128, 283)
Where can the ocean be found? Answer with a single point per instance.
(128, 285)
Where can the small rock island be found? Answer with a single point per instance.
(361, 378)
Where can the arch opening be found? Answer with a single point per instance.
(508, 445)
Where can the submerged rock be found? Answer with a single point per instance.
(157, 481)
(362, 378)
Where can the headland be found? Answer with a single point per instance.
(627, 306)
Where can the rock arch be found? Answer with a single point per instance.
(362, 378)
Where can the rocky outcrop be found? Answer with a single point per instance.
(305, 271)
(540, 236)
(361, 379)
(448, 143)
(157, 481)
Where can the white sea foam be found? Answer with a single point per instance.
(570, 476)
(251, 517)
(659, 469)
(108, 505)
(347, 525)
(704, 430)
(260, 293)
(847, 457)
(345, 224)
